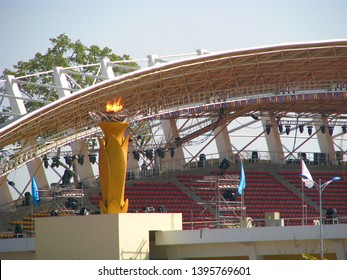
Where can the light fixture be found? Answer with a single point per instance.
(177, 141)
(136, 155)
(71, 203)
(45, 161)
(322, 129)
(301, 128)
(161, 152)
(84, 211)
(149, 154)
(162, 209)
(11, 183)
(80, 159)
(92, 158)
(280, 128)
(287, 129)
(309, 129)
(172, 152)
(68, 160)
(268, 129)
(54, 213)
(331, 130)
(255, 117)
(344, 129)
(55, 162)
(336, 178)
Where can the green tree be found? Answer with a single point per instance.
(63, 53)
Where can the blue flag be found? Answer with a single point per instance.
(242, 183)
(34, 192)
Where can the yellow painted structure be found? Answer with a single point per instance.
(112, 167)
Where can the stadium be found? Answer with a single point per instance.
(200, 124)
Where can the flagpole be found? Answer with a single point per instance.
(243, 209)
(303, 210)
(320, 190)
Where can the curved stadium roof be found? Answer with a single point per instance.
(283, 79)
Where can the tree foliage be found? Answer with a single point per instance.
(63, 53)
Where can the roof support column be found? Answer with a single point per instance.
(35, 167)
(175, 158)
(106, 69)
(17, 105)
(326, 142)
(133, 164)
(5, 196)
(61, 81)
(153, 60)
(84, 168)
(223, 143)
(273, 140)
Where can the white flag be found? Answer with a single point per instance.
(308, 181)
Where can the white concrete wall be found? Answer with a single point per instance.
(17, 248)
(254, 243)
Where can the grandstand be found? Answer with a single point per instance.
(192, 122)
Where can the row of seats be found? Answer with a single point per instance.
(156, 194)
(263, 193)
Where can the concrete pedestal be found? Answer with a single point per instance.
(100, 237)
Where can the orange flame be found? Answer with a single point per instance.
(114, 106)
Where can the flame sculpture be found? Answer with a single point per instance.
(112, 164)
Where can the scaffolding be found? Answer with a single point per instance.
(229, 208)
(68, 198)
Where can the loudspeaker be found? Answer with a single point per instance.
(224, 165)
(67, 176)
(229, 195)
(331, 213)
(84, 211)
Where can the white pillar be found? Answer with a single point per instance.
(35, 167)
(17, 105)
(170, 133)
(61, 81)
(5, 196)
(223, 143)
(273, 141)
(153, 60)
(133, 164)
(326, 143)
(106, 69)
(85, 171)
(201, 51)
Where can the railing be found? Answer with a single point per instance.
(44, 144)
(210, 223)
(215, 159)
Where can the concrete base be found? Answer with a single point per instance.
(100, 237)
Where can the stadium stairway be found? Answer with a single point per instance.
(285, 180)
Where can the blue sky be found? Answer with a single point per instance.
(139, 28)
